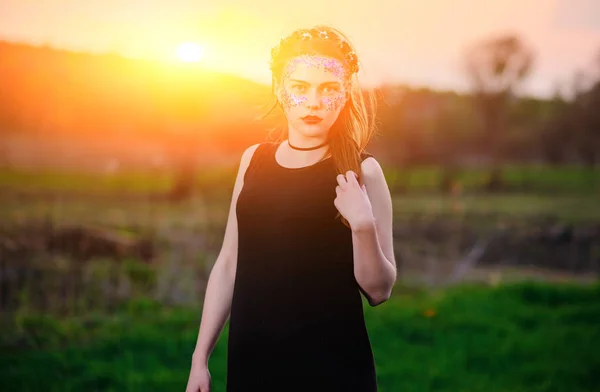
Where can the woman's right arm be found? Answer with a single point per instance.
(219, 290)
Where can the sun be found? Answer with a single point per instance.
(189, 52)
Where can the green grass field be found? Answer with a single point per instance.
(522, 337)
(567, 194)
(524, 178)
(126, 198)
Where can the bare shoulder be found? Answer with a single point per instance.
(246, 158)
(372, 172)
(377, 188)
(248, 153)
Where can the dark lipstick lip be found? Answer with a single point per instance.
(311, 121)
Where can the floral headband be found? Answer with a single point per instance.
(315, 34)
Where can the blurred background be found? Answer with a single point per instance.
(121, 129)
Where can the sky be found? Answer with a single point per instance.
(420, 43)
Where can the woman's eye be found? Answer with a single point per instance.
(330, 89)
(299, 88)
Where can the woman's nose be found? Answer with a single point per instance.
(313, 100)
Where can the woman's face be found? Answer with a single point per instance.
(312, 93)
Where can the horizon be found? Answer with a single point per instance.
(236, 38)
(206, 69)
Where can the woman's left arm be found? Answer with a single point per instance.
(368, 209)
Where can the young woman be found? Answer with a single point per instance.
(309, 229)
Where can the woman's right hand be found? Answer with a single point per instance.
(199, 380)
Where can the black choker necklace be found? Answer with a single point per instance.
(308, 148)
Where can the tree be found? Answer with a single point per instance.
(587, 125)
(554, 130)
(573, 130)
(495, 67)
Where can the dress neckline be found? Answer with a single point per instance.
(274, 157)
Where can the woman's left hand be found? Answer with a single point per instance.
(352, 200)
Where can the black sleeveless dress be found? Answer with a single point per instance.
(296, 319)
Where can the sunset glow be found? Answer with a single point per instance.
(189, 52)
(420, 43)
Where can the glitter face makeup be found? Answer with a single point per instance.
(314, 61)
(331, 93)
(313, 93)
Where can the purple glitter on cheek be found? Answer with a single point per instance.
(289, 100)
(333, 103)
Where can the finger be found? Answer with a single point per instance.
(338, 190)
(352, 177)
(341, 179)
(336, 203)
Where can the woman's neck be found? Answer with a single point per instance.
(292, 157)
(306, 144)
(297, 148)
